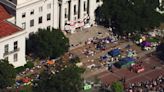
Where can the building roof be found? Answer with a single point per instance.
(3, 14)
(6, 28)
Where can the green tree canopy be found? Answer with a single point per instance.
(7, 74)
(131, 15)
(117, 87)
(67, 80)
(47, 43)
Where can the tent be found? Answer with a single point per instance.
(128, 59)
(130, 54)
(138, 68)
(125, 62)
(50, 62)
(114, 52)
(26, 80)
(146, 44)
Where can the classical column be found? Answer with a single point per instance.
(60, 15)
(79, 9)
(88, 7)
(69, 10)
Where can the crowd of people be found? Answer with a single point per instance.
(155, 85)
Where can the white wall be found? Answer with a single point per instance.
(92, 7)
(25, 6)
(35, 6)
(20, 37)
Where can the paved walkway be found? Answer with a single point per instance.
(78, 38)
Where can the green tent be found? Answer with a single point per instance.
(87, 86)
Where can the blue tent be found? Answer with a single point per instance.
(114, 52)
(125, 62)
(128, 59)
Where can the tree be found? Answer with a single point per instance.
(67, 80)
(7, 74)
(131, 15)
(160, 50)
(47, 43)
(117, 87)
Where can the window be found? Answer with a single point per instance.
(84, 7)
(66, 13)
(48, 17)
(48, 6)
(97, 0)
(23, 15)
(40, 9)
(40, 20)
(15, 57)
(31, 33)
(6, 48)
(6, 58)
(24, 25)
(48, 27)
(75, 12)
(32, 12)
(15, 45)
(31, 23)
(75, 18)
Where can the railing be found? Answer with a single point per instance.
(11, 52)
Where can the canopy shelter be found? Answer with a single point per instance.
(138, 68)
(125, 62)
(114, 52)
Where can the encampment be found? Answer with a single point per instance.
(125, 62)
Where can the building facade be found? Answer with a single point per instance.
(33, 14)
(12, 40)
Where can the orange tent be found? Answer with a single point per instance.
(50, 62)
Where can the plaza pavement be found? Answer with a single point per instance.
(103, 74)
(78, 38)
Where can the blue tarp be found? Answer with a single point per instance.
(114, 52)
(127, 59)
(125, 62)
(146, 43)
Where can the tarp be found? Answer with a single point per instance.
(50, 62)
(114, 52)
